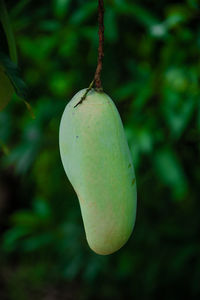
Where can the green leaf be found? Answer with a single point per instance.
(41, 208)
(6, 89)
(139, 13)
(170, 171)
(30, 109)
(60, 7)
(83, 13)
(110, 22)
(46, 44)
(125, 91)
(25, 219)
(13, 73)
(17, 10)
(38, 241)
(12, 236)
(4, 148)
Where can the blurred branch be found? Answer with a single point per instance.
(4, 18)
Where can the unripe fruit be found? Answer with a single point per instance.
(6, 89)
(97, 161)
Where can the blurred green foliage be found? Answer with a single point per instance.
(151, 70)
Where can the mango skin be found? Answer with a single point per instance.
(97, 161)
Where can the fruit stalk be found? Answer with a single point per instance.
(97, 76)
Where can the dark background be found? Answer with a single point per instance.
(151, 71)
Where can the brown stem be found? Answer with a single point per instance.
(85, 94)
(97, 76)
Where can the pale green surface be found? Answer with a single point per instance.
(97, 161)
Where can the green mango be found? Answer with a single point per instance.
(97, 161)
(6, 89)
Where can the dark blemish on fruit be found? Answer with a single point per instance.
(133, 181)
(77, 136)
(129, 165)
